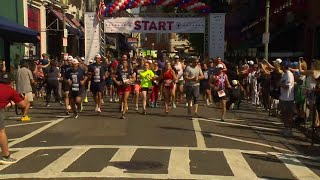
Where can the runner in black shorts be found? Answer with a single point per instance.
(97, 74)
(76, 78)
(65, 85)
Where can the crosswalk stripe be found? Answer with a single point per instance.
(297, 168)
(179, 163)
(200, 139)
(63, 162)
(19, 155)
(122, 155)
(239, 165)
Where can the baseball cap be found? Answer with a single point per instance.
(5, 78)
(70, 58)
(176, 57)
(219, 66)
(250, 63)
(234, 82)
(277, 61)
(82, 58)
(98, 56)
(75, 61)
(91, 61)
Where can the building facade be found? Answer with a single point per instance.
(294, 28)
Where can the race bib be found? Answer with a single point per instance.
(221, 93)
(75, 84)
(206, 76)
(168, 82)
(96, 77)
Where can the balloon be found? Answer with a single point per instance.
(116, 3)
(119, 4)
(123, 6)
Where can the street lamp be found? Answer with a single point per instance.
(65, 32)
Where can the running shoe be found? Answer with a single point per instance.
(85, 100)
(75, 115)
(81, 107)
(7, 160)
(25, 118)
(102, 101)
(174, 106)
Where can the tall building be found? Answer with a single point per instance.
(294, 28)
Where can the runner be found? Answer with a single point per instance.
(76, 78)
(97, 74)
(52, 76)
(168, 77)
(88, 85)
(205, 88)
(156, 85)
(192, 75)
(137, 85)
(123, 82)
(65, 85)
(7, 94)
(178, 89)
(24, 82)
(219, 86)
(147, 76)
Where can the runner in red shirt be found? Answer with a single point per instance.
(7, 94)
(168, 77)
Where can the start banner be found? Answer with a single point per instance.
(154, 25)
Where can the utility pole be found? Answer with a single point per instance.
(267, 33)
(65, 31)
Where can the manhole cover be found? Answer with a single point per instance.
(137, 165)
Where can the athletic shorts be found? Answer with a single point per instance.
(2, 117)
(65, 86)
(80, 93)
(28, 95)
(97, 87)
(193, 93)
(180, 82)
(146, 89)
(123, 89)
(137, 87)
(109, 82)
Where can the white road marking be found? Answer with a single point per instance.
(144, 147)
(297, 168)
(122, 155)
(241, 125)
(199, 137)
(179, 164)
(239, 165)
(178, 168)
(30, 135)
(24, 124)
(250, 142)
(63, 162)
(19, 155)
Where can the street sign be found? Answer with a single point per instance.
(65, 42)
(266, 38)
(132, 40)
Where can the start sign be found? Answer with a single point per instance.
(154, 25)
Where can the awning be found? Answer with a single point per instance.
(72, 28)
(17, 33)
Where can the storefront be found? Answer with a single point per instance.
(11, 32)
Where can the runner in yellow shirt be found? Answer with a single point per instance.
(147, 77)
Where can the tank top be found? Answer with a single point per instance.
(167, 78)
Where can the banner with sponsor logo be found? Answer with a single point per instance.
(92, 36)
(154, 25)
(216, 35)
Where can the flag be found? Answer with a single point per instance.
(100, 9)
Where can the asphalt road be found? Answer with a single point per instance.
(249, 145)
